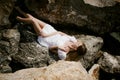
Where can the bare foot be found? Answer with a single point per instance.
(27, 20)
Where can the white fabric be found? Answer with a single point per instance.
(48, 29)
(55, 40)
(61, 54)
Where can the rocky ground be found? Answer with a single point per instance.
(95, 22)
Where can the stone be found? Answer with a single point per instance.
(95, 71)
(30, 53)
(93, 44)
(116, 35)
(61, 70)
(5, 10)
(8, 47)
(12, 36)
(78, 14)
(100, 3)
(110, 63)
(117, 0)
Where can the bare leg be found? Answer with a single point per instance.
(37, 27)
(41, 23)
(27, 20)
(35, 24)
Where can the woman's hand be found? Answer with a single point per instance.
(64, 48)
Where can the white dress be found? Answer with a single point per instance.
(54, 40)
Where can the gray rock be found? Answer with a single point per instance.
(116, 35)
(12, 37)
(8, 47)
(23, 48)
(6, 7)
(110, 63)
(76, 12)
(31, 54)
(93, 44)
(117, 0)
(100, 3)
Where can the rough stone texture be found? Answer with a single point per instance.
(24, 49)
(8, 46)
(94, 71)
(76, 12)
(100, 3)
(116, 35)
(93, 44)
(117, 0)
(61, 70)
(109, 63)
(5, 10)
(30, 53)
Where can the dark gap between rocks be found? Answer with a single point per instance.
(16, 66)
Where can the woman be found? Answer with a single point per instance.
(51, 38)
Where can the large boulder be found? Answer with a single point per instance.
(116, 35)
(6, 7)
(30, 53)
(100, 3)
(76, 12)
(94, 45)
(110, 63)
(62, 70)
(8, 47)
(24, 49)
(117, 0)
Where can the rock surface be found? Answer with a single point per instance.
(94, 45)
(6, 7)
(109, 63)
(76, 12)
(23, 48)
(116, 35)
(8, 47)
(61, 70)
(100, 3)
(18, 43)
(31, 54)
(117, 0)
